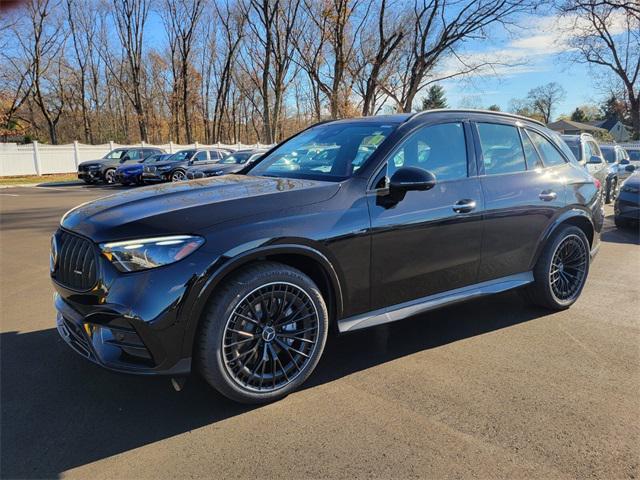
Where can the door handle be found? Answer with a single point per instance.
(547, 195)
(464, 206)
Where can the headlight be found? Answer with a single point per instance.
(134, 255)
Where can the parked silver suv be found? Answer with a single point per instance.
(587, 151)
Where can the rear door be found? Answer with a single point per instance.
(521, 196)
(430, 241)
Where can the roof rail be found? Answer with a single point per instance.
(473, 110)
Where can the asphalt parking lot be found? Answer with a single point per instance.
(488, 389)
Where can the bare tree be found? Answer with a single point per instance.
(385, 41)
(607, 34)
(130, 17)
(181, 18)
(438, 29)
(544, 99)
(42, 45)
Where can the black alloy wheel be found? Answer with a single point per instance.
(270, 337)
(263, 333)
(568, 268)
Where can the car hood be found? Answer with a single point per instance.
(219, 167)
(190, 207)
(130, 168)
(89, 163)
(633, 181)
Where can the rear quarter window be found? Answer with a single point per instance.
(550, 154)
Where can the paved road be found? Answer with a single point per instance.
(489, 389)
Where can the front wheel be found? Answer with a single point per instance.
(110, 176)
(263, 333)
(178, 176)
(561, 270)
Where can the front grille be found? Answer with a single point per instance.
(76, 263)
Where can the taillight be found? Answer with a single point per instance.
(597, 183)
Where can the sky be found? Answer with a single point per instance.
(537, 51)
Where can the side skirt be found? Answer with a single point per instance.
(431, 302)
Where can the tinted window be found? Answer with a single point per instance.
(181, 156)
(241, 157)
(200, 156)
(501, 149)
(575, 147)
(440, 149)
(594, 148)
(550, 155)
(215, 154)
(609, 154)
(530, 153)
(634, 154)
(331, 151)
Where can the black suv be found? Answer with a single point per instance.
(174, 168)
(104, 170)
(243, 276)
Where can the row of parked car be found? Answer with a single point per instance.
(140, 166)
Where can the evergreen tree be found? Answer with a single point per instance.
(435, 98)
(494, 108)
(578, 115)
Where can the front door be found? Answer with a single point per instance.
(429, 242)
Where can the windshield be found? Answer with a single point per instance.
(574, 145)
(634, 154)
(609, 154)
(158, 157)
(236, 158)
(330, 152)
(181, 156)
(115, 154)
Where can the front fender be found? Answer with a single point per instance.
(239, 256)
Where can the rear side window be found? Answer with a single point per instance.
(530, 153)
(550, 155)
(501, 149)
(215, 154)
(440, 149)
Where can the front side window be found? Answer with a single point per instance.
(440, 149)
(550, 155)
(331, 152)
(634, 155)
(501, 149)
(181, 156)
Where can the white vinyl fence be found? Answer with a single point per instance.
(38, 159)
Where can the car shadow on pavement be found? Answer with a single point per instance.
(613, 234)
(59, 411)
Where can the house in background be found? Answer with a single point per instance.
(618, 130)
(569, 127)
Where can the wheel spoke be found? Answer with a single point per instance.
(270, 336)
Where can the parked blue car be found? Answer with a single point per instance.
(132, 173)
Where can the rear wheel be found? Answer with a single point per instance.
(561, 270)
(263, 333)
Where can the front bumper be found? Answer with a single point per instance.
(91, 175)
(114, 343)
(156, 177)
(627, 206)
(127, 177)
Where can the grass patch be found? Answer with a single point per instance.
(35, 179)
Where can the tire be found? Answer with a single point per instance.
(125, 183)
(178, 176)
(559, 288)
(110, 176)
(244, 349)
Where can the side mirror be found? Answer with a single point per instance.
(630, 168)
(406, 179)
(594, 160)
(624, 161)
